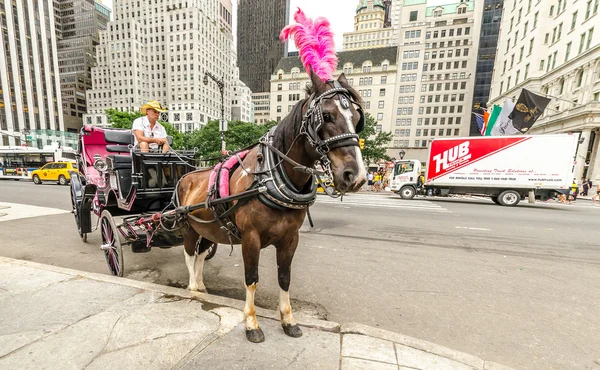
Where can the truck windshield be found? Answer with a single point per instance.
(403, 167)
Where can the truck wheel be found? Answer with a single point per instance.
(509, 198)
(407, 192)
(495, 200)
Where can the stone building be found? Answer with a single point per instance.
(551, 48)
(371, 72)
(370, 30)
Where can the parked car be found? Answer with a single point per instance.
(54, 171)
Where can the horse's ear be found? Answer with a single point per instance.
(342, 79)
(317, 83)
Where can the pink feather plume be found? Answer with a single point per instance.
(314, 40)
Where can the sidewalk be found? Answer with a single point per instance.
(57, 318)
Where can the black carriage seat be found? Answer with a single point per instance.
(118, 141)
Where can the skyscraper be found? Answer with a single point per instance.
(30, 101)
(161, 50)
(80, 23)
(488, 42)
(437, 60)
(258, 45)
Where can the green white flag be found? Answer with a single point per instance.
(493, 118)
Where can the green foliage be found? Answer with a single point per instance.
(239, 135)
(125, 120)
(375, 144)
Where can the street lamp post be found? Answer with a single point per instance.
(222, 125)
(402, 153)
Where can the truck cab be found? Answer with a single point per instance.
(404, 178)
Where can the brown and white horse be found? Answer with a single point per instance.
(259, 225)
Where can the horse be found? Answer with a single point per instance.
(322, 127)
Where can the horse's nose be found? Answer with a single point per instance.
(349, 176)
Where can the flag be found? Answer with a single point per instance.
(480, 123)
(503, 125)
(528, 109)
(486, 118)
(492, 120)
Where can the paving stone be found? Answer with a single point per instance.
(21, 278)
(314, 350)
(349, 363)
(360, 346)
(163, 319)
(28, 316)
(416, 359)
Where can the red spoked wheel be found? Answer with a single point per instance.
(111, 244)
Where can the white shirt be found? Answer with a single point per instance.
(142, 124)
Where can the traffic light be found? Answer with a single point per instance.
(361, 143)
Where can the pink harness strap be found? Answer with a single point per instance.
(224, 174)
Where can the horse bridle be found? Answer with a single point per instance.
(313, 120)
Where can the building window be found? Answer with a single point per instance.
(189, 117)
(383, 80)
(580, 79)
(379, 116)
(381, 104)
(278, 97)
(413, 16)
(381, 92)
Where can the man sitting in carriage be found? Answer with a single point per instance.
(148, 133)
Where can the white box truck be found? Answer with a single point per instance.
(505, 168)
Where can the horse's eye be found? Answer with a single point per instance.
(327, 117)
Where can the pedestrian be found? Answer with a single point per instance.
(370, 178)
(596, 196)
(377, 180)
(586, 187)
(573, 193)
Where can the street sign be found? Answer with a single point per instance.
(29, 137)
(223, 125)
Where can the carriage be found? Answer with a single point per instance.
(129, 191)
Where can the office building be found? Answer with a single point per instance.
(553, 48)
(369, 26)
(437, 60)
(488, 41)
(30, 100)
(80, 23)
(161, 50)
(258, 45)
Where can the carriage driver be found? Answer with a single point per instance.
(148, 133)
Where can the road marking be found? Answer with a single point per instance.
(15, 211)
(373, 201)
(472, 228)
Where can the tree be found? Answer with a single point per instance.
(375, 144)
(125, 120)
(239, 135)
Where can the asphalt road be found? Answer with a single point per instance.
(519, 286)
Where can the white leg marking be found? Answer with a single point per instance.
(347, 113)
(190, 262)
(199, 268)
(249, 309)
(285, 309)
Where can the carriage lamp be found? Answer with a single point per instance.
(402, 153)
(100, 165)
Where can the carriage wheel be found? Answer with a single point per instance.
(111, 244)
(77, 212)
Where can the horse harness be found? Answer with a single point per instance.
(271, 184)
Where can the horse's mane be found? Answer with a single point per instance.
(289, 127)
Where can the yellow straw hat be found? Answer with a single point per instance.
(153, 104)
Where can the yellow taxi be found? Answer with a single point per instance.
(54, 171)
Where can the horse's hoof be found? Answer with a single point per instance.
(293, 331)
(255, 335)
